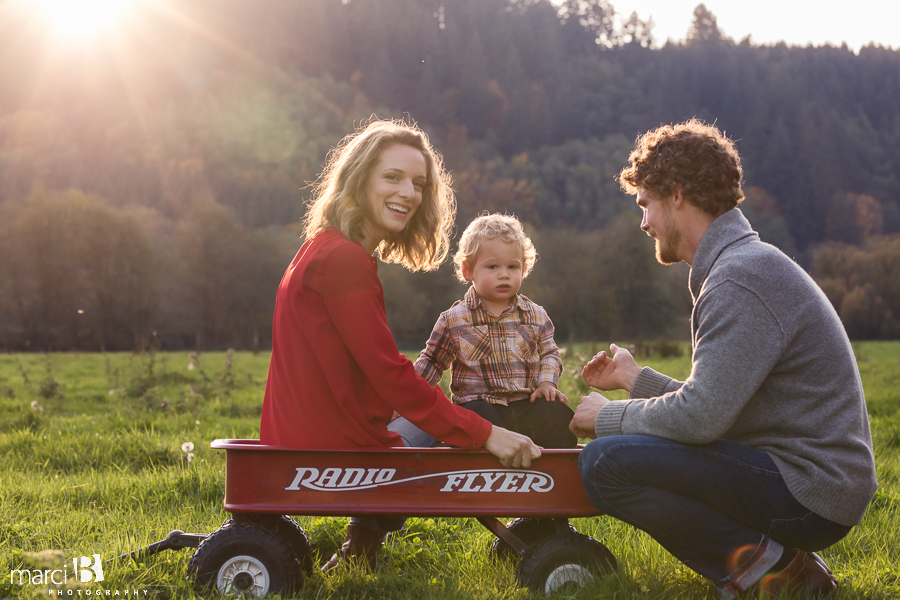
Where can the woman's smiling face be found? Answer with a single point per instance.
(394, 191)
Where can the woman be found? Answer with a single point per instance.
(336, 376)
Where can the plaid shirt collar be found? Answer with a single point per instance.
(473, 301)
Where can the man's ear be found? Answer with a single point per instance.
(678, 198)
(466, 271)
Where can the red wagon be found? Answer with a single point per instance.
(261, 550)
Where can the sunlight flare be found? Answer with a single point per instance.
(83, 18)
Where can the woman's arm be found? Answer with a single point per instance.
(354, 300)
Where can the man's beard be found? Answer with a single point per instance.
(667, 244)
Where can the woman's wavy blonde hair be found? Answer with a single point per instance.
(339, 195)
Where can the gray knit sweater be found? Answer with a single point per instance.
(772, 369)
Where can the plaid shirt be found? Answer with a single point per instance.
(496, 359)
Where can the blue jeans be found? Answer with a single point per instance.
(722, 509)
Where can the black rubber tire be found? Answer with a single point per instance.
(245, 559)
(530, 530)
(296, 538)
(565, 560)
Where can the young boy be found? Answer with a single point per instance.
(506, 365)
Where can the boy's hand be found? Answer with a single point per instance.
(513, 449)
(616, 371)
(549, 392)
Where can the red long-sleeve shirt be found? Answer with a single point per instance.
(336, 375)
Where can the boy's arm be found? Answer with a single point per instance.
(438, 353)
(551, 363)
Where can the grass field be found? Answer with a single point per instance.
(94, 459)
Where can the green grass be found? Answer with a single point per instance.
(91, 461)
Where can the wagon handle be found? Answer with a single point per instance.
(176, 540)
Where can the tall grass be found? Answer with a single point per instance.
(92, 461)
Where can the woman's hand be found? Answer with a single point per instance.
(614, 371)
(513, 449)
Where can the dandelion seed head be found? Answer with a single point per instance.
(187, 447)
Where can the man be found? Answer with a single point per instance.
(763, 455)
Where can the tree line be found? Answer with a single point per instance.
(150, 191)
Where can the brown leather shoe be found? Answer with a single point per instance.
(806, 574)
(360, 545)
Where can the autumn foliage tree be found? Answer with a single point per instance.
(863, 285)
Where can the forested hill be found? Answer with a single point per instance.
(811, 122)
(208, 118)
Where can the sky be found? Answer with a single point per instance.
(797, 22)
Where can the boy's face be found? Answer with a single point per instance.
(497, 273)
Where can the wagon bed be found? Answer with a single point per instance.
(260, 550)
(415, 482)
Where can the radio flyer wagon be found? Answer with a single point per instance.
(260, 550)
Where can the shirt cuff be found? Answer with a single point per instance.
(649, 384)
(609, 418)
(549, 374)
(428, 373)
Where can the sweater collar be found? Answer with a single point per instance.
(728, 229)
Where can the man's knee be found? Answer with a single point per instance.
(607, 459)
(592, 455)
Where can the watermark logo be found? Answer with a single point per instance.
(85, 571)
(85, 579)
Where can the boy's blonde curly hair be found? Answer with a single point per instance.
(488, 227)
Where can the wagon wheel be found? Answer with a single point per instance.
(245, 559)
(566, 560)
(528, 529)
(296, 538)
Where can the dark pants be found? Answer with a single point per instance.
(722, 509)
(546, 423)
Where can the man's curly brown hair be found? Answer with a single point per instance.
(693, 155)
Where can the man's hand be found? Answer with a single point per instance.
(582, 424)
(614, 371)
(513, 449)
(548, 392)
